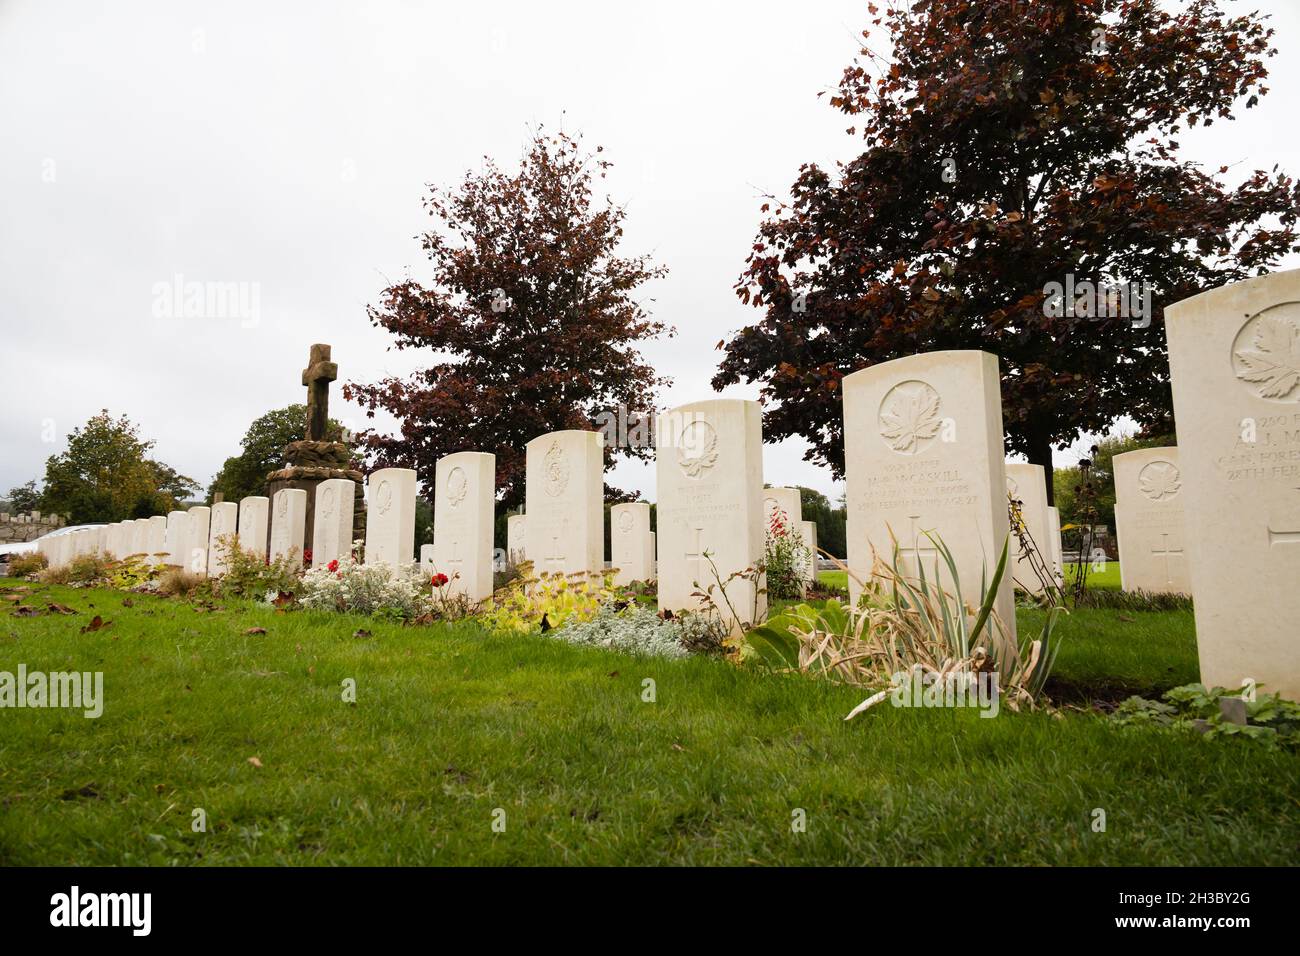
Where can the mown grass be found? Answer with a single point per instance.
(452, 725)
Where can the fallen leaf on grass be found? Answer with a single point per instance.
(88, 791)
(255, 630)
(1126, 619)
(25, 610)
(60, 608)
(361, 632)
(255, 762)
(613, 673)
(679, 747)
(96, 623)
(127, 602)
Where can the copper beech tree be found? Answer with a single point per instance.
(1012, 145)
(530, 320)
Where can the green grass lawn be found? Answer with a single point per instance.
(452, 725)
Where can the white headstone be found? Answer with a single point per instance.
(139, 535)
(222, 531)
(565, 530)
(331, 537)
(288, 525)
(516, 533)
(809, 531)
(924, 452)
(785, 501)
(709, 468)
(464, 495)
(1149, 521)
(631, 543)
(200, 527)
(178, 534)
(1234, 359)
(1025, 483)
(1054, 533)
(427, 559)
(390, 517)
(253, 524)
(156, 539)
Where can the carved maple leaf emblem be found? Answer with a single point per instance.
(911, 418)
(1160, 480)
(1274, 363)
(698, 451)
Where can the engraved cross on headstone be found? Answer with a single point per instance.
(696, 557)
(555, 560)
(318, 374)
(1166, 552)
(454, 562)
(1290, 536)
(916, 551)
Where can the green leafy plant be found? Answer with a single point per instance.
(786, 558)
(131, 573)
(903, 624)
(631, 628)
(548, 600)
(1270, 719)
(249, 575)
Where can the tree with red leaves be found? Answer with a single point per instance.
(1014, 148)
(530, 321)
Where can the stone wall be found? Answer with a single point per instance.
(27, 527)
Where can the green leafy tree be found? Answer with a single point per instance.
(107, 475)
(24, 498)
(263, 451)
(829, 519)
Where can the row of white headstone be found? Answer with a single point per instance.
(924, 452)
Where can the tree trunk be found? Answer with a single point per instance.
(1040, 453)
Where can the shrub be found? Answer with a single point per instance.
(907, 626)
(401, 593)
(249, 575)
(632, 628)
(548, 600)
(182, 582)
(787, 558)
(1270, 719)
(132, 573)
(24, 565)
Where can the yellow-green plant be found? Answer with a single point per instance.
(132, 572)
(548, 600)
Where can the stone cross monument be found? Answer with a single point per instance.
(316, 459)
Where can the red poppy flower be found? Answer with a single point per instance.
(438, 580)
(333, 565)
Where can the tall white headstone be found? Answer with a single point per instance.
(390, 517)
(222, 531)
(288, 525)
(1234, 359)
(631, 543)
(254, 521)
(565, 530)
(200, 528)
(786, 503)
(155, 541)
(1025, 483)
(516, 532)
(139, 535)
(809, 531)
(1149, 521)
(332, 523)
(427, 559)
(709, 468)
(924, 452)
(464, 495)
(178, 534)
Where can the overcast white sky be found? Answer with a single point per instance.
(289, 144)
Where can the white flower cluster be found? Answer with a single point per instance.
(636, 629)
(402, 592)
